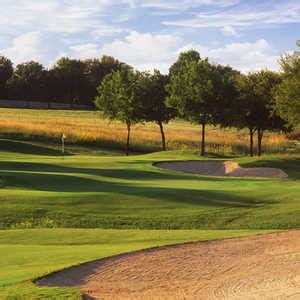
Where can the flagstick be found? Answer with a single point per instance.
(63, 145)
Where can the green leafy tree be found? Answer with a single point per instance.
(96, 69)
(227, 96)
(256, 109)
(153, 94)
(192, 90)
(6, 72)
(27, 82)
(110, 64)
(94, 75)
(118, 98)
(264, 84)
(69, 81)
(288, 92)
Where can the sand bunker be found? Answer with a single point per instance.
(257, 267)
(220, 168)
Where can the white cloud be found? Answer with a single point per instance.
(185, 4)
(148, 51)
(257, 15)
(43, 30)
(28, 46)
(229, 30)
(242, 56)
(145, 51)
(106, 31)
(71, 16)
(85, 51)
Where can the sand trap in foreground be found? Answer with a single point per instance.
(220, 168)
(257, 267)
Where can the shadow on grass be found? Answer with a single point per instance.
(28, 148)
(122, 173)
(117, 190)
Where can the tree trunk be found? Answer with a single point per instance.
(251, 133)
(260, 134)
(128, 138)
(203, 140)
(163, 138)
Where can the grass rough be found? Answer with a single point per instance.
(91, 128)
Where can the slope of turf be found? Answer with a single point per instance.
(88, 191)
(28, 254)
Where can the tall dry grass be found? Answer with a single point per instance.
(86, 127)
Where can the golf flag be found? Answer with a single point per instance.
(63, 143)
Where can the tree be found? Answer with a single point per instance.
(93, 71)
(152, 93)
(192, 90)
(6, 71)
(256, 107)
(28, 81)
(288, 93)
(117, 98)
(244, 110)
(227, 96)
(70, 80)
(96, 69)
(264, 85)
(110, 64)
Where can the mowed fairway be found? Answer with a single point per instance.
(120, 192)
(42, 189)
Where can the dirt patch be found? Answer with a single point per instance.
(257, 267)
(220, 168)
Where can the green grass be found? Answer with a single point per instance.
(28, 254)
(85, 191)
(41, 189)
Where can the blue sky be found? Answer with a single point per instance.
(249, 35)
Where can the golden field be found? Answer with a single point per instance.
(90, 127)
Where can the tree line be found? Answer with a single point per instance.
(204, 94)
(195, 90)
(69, 80)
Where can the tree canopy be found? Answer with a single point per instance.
(6, 72)
(118, 98)
(152, 93)
(28, 81)
(68, 80)
(288, 93)
(199, 90)
(255, 109)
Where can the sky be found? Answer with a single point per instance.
(149, 34)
